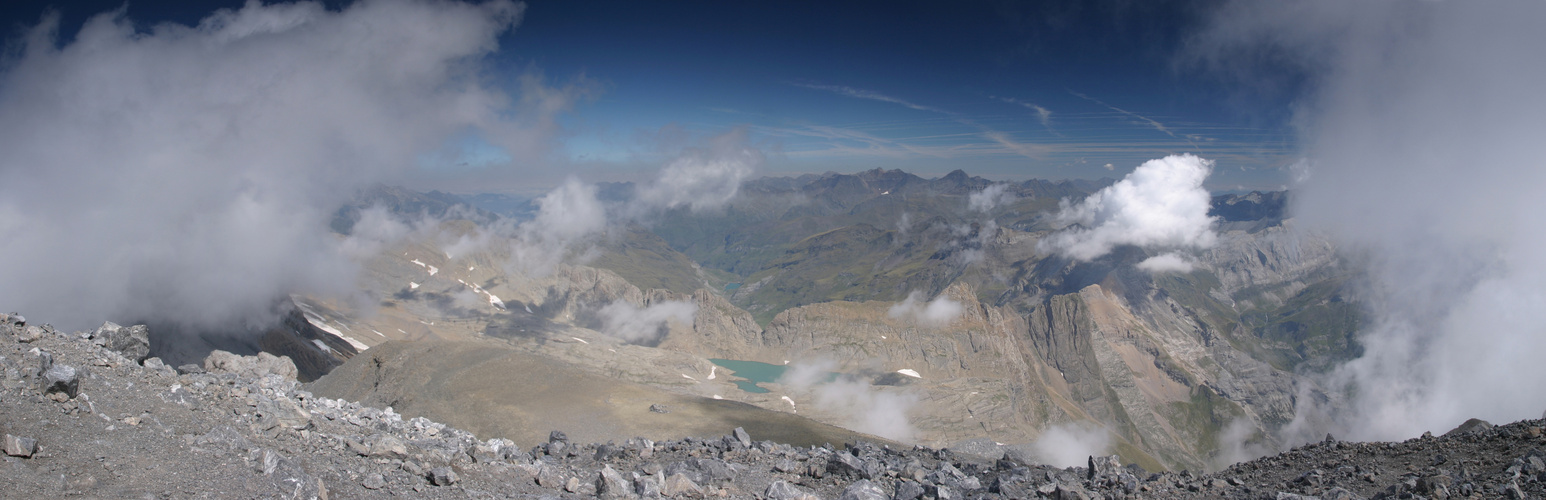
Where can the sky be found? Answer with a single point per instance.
(1004, 90)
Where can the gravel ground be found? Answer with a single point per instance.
(84, 416)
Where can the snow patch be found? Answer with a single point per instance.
(494, 301)
(711, 372)
(413, 286)
(433, 270)
(582, 341)
(909, 372)
(689, 377)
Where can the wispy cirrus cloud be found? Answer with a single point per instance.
(1042, 114)
(869, 94)
(1150, 121)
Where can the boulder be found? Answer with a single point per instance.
(253, 367)
(678, 485)
(374, 482)
(29, 334)
(862, 489)
(132, 342)
(1472, 426)
(61, 379)
(18, 446)
(282, 412)
(781, 490)
(387, 446)
(442, 476)
(611, 484)
(911, 490)
(743, 437)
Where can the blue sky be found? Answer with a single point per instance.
(1005, 90)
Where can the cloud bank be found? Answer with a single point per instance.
(187, 173)
(1422, 128)
(1160, 204)
(1167, 262)
(991, 197)
(1070, 445)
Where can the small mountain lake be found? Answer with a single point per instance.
(753, 373)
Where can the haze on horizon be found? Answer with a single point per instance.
(165, 159)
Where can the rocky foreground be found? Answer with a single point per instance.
(86, 414)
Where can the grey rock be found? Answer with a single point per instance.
(572, 485)
(484, 454)
(780, 490)
(190, 368)
(679, 484)
(18, 446)
(1471, 426)
(909, 490)
(132, 342)
(862, 489)
(743, 437)
(647, 486)
(1283, 495)
(282, 412)
(843, 463)
(660, 408)
(61, 379)
(442, 476)
(704, 471)
(373, 482)
(606, 452)
(254, 367)
(1338, 493)
(1101, 467)
(557, 437)
(29, 334)
(387, 446)
(549, 476)
(555, 448)
(611, 484)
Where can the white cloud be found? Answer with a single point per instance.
(1167, 262)
(566, 218)
(1422, 133)
(938, 312)
(703, 178)
(187, 174)
(991, 197)
(1161, 204)
(1071, 445)
(643, 324)
(868, 409)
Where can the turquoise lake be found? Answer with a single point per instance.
(753, 373)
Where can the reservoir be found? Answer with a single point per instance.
(753, 373)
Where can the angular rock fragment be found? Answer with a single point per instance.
(780, 490)
(61, 379)
(254, 367)
(862, 489)
(373, 482)
(743, 437)
(18, 446)
(132, 342)
(678, 484)
(611, 484)
(442, 476)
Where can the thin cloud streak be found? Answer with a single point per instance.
(868, 94)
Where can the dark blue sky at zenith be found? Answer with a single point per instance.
(1005, 90)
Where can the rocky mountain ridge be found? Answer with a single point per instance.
(81, 417)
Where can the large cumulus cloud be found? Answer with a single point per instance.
(186, 173)
(1160, 204)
